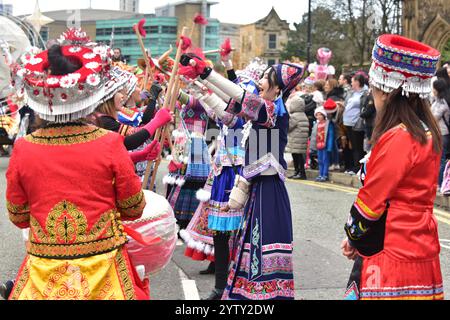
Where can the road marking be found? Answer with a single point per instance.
(440, 215)
(442, 219)
(326, 186)
(189, 287)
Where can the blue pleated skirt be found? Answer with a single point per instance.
(262, 268)
(218, 220)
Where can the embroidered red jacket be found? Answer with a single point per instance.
(72, 185)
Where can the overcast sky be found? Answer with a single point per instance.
(231, 11)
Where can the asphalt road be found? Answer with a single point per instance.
(321, 272)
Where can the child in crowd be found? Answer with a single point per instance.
(322, 138)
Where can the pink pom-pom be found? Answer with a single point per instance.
(140, 28)
(199, 52)
(187, 43)
(226, 48)
(188, 72)
(199, 19)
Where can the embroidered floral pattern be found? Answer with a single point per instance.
(18, 213)
(21, 281)
(125, 279)
(271, 289)
(66, 135)
(132, 206)
(77, 250)
(271, 263)
(405, 61)
(251, 106)
(262, 165)
(255, 241)
(66, 234)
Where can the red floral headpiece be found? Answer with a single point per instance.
(67, 97)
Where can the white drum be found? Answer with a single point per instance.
(158, 231)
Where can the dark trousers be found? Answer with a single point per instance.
(222, 259)
(357, 140)
(299, 164)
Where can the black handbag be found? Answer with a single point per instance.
(360, 125)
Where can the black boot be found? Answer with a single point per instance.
(210, 270)
(216, 294)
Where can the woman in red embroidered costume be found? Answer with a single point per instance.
(391, 232)
(72, 184)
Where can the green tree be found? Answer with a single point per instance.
(348, 27)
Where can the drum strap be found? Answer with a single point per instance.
(139, 238)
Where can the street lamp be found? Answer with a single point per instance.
(309, 44)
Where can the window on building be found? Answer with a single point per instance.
(169, 30)
(272, 41)
(100, 32)
(271, 62)
(152, 29)
(127, 43)
(127, 31)
(166, 43)
(211, 43)
(212, 30)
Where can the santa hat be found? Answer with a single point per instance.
(330, 106)
(402, 62)
(320, 110)
(63, 98)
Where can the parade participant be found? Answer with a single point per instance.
(76, 240)
(392, 233)
(192, 156)
(220, 225)
(117, 56)
(262, 265)
(106, 115)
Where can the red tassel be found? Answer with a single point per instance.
(140, 28)
(199, 19)
(226, 48)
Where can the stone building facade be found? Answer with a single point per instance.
(427, 21)
(265, 39)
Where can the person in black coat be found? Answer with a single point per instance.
(368, 113)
